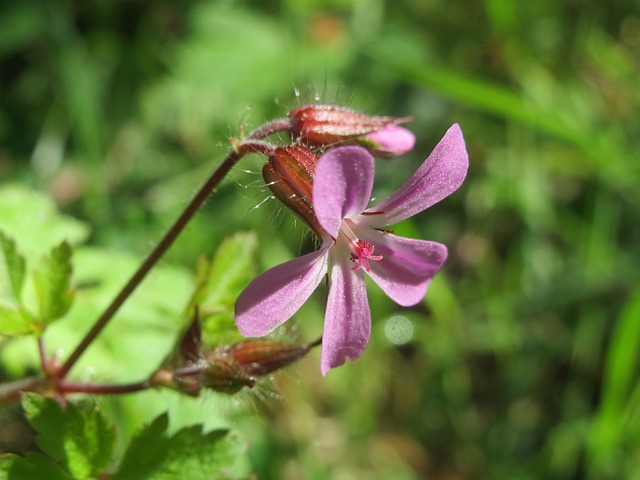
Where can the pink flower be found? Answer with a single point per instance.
(354, 242)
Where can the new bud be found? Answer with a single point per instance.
(323, 125)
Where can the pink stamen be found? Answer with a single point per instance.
(363, 252)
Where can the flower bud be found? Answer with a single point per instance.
(223, 374)
(232, 367)
(259, 357)
(322, 125)
(289, 175)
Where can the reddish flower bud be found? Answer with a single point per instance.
(223, 374)
(259, 357)
(289, 175)
(230, 368)
(322, 125)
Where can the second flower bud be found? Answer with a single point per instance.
(289, 175)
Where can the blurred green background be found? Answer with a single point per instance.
(521, 363)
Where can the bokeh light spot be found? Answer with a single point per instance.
(398, 329)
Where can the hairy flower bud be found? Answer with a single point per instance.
(259, 357)
(223, 374)
(289, 175)
(232, 367)
(323, 125)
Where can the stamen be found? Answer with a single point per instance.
(380, 212)
(363, 252)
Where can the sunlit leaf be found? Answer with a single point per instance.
(230, 271)
(189, 453)
(12, 269)
(16, 320)
(52, 279)
(83, 440)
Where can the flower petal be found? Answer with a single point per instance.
(347, 322)
(273, 297)
(438, 177)
(390, 140)
(407, 264)
(342, 185)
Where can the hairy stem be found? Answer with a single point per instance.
(250, 145)
(72, 387)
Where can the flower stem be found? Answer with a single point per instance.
(10, 392)
(44, 362)
(251, 144)
(73, 387)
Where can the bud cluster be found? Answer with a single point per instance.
(226, 369)
(316, 129)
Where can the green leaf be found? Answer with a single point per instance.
(32, 466)
(139, 460)
(195, 455)
(83, 440)
(12, 269)
(144, 328)
(52, 280)
(230, 271)
(14, 318)
(188, 454)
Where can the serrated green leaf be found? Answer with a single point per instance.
(52, 281)
(141, 461)
(230, 271)
(32, 466)
(195, 455)
(83, 440)
(14, 317)
(188, 454)
(12, 269)
(16, 320)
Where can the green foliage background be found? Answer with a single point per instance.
(523, 358)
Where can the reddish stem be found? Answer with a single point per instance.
(75, 387)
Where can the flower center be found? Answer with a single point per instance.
(361, 250)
